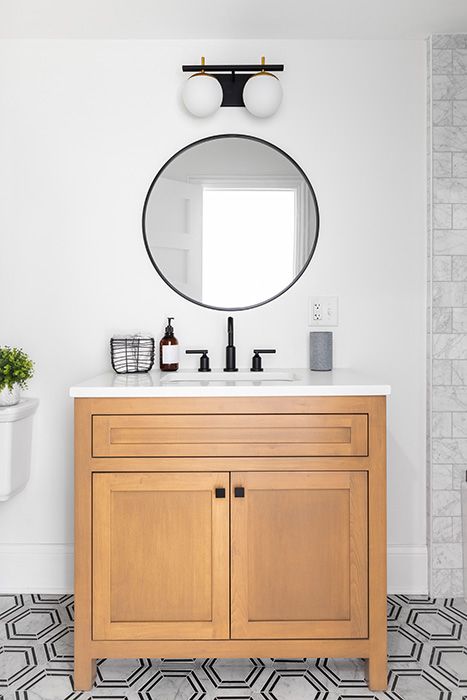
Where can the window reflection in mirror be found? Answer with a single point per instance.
(260, 225)
(230, 222)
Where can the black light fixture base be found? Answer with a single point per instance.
(232, 88)
(233, 67)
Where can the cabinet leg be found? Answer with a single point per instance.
(84, 673)
(377, 672)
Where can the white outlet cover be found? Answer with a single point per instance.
(328, 308)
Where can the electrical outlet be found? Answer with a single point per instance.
(323, 311)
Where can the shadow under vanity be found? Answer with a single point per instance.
(229, 516)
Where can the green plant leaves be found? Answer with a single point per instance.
(15, 367)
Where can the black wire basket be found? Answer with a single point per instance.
(132, 353)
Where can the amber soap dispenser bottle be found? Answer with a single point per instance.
(169, 350)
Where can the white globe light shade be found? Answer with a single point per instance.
(202, 95)
(262, 94)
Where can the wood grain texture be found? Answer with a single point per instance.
(84, 668)
(299, 555)
(216, 464)
(377, 666)
(253, 408)
(248, 405)
(232, 648)
(229, 435)
(160, 556)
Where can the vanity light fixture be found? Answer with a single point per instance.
(252, 86)
(202, 93)
(262, 93)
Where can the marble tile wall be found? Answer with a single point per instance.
(447, 305)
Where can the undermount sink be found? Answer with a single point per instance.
(220, 376)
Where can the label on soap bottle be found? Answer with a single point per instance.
(170, 354)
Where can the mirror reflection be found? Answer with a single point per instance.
(230, 222)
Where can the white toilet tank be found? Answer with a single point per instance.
(15, 446)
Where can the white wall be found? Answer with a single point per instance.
(84, 127)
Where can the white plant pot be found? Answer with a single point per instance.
(10, 397)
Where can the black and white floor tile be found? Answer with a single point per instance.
(427, 647)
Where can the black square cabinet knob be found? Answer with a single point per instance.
(220, 493)
(239, 492)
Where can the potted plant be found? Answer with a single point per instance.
(15, 369)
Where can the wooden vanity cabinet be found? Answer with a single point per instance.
(230, 527)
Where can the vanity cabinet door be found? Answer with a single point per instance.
(160, 556)
(299, 555)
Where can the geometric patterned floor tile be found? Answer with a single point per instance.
(342, 673)
(15, 663)
(458, 606)
(427, 641)
(224, 673)
(48, 684)
(451, 662)
(415, 600)
(403, 645)
(9, 604)
(416, 684)
(48, 599)
(32, 624)
(183, 684)
(121, 673)
(394, 609)
(59, 646)
(299, 684)
(434, 624)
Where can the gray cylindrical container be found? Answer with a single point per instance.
(321, 351)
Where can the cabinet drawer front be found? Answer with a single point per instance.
(230, 435)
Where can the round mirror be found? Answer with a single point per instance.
(230, 222)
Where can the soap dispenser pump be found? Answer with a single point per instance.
(169, 350)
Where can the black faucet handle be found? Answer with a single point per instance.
(203, 360)
(256, 364)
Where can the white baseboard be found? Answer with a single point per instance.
(48, 568)
(36, 568)
(408, 569)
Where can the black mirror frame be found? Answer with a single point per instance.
(213, 138)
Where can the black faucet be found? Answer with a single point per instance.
(230, 363)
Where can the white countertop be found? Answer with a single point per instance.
(339, 382)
